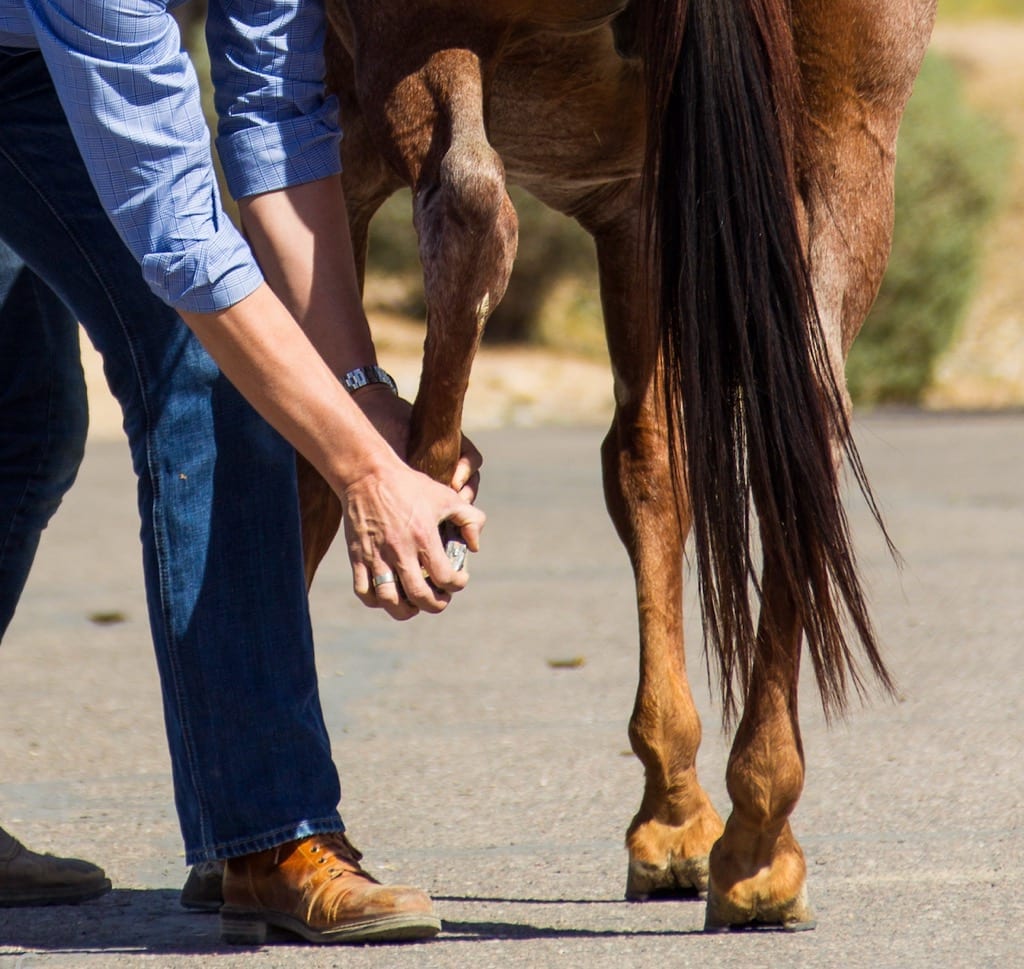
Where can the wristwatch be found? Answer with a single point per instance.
(364, 376)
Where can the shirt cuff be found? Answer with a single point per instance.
(208, 276)
(265, 158)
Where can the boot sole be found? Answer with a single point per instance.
(54, 896)
(243, 927)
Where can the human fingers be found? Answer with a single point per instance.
(401, 589)
(468, 466)
(445, 564)
(469, 521)
(393, 518)
(390, 596)
(379, 588)
(470, 491)
(421, 592)
(374, 582)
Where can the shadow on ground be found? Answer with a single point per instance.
(125, 920)
(151, 922)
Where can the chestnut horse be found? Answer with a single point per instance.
(733, 161)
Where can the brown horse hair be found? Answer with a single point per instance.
(752, 401)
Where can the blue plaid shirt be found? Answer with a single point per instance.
(132, 99)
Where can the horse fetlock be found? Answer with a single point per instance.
(436, 458)
(668, 859)
(679, 877)
(757, 883)
(724, 913)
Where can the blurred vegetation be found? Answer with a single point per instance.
(951, 165)
(951, 9)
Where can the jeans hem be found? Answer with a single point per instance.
(263, 842)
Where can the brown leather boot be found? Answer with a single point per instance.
(27, 878)
(315, 888)
(203, 890)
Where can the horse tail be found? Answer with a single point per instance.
(753, 403)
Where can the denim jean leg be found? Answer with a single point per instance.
(43, 414)
(217, 497)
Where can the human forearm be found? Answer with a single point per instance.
(266, 356)
(300, 237)
(391, 512)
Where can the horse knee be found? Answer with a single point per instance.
(473, 182)
(466, 218)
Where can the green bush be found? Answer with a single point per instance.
(951, 165)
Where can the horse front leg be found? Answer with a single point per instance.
(432, 126)
(672, 833)
(468, 232)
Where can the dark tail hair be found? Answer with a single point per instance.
(744, 357)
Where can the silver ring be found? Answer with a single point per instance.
(383, 579)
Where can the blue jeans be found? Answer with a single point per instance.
(217, 494)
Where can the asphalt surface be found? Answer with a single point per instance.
(483, 753)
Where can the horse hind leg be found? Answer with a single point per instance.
(758, 872)
(856, 95)
(672, 833)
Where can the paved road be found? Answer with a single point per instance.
(501, 784)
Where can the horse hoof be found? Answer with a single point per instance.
(680, 879)
(794, 915)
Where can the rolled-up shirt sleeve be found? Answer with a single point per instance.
(277, 128)
(132, 100)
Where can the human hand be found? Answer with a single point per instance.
(391, 526)
(466, 480)
(390, 415)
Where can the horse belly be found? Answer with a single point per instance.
(567, 16)
(566, 113)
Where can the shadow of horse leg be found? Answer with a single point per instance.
(676, 825)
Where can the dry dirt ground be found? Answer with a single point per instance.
(519, 386)
(984, 368)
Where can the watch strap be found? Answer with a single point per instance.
(364, 376)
